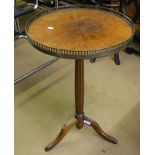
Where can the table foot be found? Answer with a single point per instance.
(62, 133)
(98, 129)
(74, 122)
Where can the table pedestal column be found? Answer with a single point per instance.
(79, 92)
(80, 119)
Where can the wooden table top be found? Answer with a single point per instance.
(80, 30)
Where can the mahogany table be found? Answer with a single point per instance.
(80, 32)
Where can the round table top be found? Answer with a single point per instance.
(80, 32)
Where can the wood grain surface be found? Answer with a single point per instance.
(80, 29)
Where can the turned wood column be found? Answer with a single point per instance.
(79, 92)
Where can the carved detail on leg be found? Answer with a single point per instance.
(98, 129)
(62, 133)
(80, 121)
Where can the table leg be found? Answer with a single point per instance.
(116, 59)
(98, 129)
(80, 119)
(62, 133)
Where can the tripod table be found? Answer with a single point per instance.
(80, 32)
